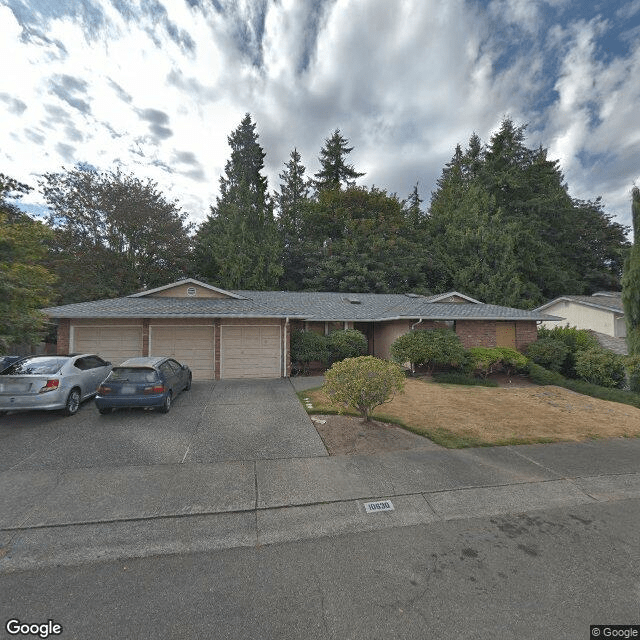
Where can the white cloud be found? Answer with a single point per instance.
(404, 81)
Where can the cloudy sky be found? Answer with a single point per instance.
(156, 86)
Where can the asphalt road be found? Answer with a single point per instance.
(542, 574)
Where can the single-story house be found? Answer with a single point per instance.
(246, 334)
(602, 312)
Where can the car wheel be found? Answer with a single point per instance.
(188, 384)
(166, 405)
(73, 403)
(104, 411)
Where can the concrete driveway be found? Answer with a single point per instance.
(215, 421)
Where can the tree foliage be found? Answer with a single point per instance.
(237, 246)
(334, 172)
(429, 348)
(113, 234)
(292, 200)
(25, 283)
(359, 240)
(505, 227)
(363, 383)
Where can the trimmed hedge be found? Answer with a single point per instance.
(430, 348)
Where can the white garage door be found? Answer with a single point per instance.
(190, 345)
(250, 351)
(112, 343)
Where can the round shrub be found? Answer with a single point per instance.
(601, 367)
(512, 360)
(308, 346)
(429, 347)
(363, 383)
(484, 360)
(548, 353)
(347, 343)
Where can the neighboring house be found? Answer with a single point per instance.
(246, 334)
(601, 312)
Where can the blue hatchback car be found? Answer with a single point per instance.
(143, 382)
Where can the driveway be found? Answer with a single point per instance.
(215, 421)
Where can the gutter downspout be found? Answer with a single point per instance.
(413, 326)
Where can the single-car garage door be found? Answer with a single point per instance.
(112, 343)
(251, 351)
(190, 345)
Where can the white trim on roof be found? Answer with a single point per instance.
(179, 283)
(450, 294)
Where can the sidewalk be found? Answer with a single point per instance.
(78, 515)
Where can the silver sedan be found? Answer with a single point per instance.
(52, 382)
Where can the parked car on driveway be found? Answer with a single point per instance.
(6, 361)
(51, 382)
(143, 382)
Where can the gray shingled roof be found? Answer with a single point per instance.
(295, 305)
(609, 302)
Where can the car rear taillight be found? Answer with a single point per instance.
(52, 385)
(158, 388)
(103, 391)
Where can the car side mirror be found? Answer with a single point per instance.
(108, 364)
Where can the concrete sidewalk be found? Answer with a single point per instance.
(77, 515)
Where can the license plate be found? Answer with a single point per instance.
(128, 389)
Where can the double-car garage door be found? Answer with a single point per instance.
(247, 351)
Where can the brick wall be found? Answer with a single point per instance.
(476, 333)
(482, 333)
(526, 333)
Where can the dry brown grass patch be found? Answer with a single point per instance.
(483, 415)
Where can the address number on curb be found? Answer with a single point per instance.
(381, 505)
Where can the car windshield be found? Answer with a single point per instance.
(132, 374)
(35, 366)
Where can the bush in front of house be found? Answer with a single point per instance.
(632, 367)
(512, 361)
(484, 360)
(549, 353)
(429, 348)
(601, 367)
(307, 347)
(363, 383)
(346, 343)
(576, 340)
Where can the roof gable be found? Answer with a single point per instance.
(187, 288)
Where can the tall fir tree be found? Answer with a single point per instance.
(551, 244)
(631, 284)
(335, 173)
(237, 246)
(291, 201)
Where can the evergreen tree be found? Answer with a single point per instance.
(237, 245)
(551, 244)
(415, 215)
(358, 240)
(291, 201)
(335, 172)
(631, 281)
